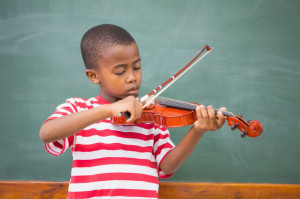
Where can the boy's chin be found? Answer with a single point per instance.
(127, 95)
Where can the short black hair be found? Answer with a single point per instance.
(98, 38)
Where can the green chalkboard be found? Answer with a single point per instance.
(253, 69)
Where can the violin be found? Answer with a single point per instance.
(174, 113)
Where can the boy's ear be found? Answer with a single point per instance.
(92, 75)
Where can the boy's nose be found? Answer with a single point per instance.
(131, 77)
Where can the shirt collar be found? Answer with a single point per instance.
(101, 100)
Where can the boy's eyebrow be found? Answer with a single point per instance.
(119, 65)
(138, 60)
(123, 65)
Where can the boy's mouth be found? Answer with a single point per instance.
(133, 91)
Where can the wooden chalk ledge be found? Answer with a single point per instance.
(167, 190)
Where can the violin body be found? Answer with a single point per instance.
(161, 115)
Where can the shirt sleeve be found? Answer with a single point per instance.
(58, 147)
(162, 146)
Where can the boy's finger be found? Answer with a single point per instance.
(204, 114)
(198, 113)
(135, 114)
(221, 118)
(201, 112)
(222, 109)
(212, 116)
(130, 118)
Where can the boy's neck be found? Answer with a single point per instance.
(108, 98)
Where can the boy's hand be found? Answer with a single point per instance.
(129, 104)
(208, 120)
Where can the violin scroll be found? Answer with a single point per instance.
(255, 128)
(252, 128)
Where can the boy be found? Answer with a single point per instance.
(109, 160)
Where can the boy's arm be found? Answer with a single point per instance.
(68, 125)
(207, 121)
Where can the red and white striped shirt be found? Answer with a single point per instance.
(111, 161)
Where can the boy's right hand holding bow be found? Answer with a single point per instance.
(129, 104)
(68, 125)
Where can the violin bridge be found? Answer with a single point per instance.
(149, 101)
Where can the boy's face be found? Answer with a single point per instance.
(119, 72)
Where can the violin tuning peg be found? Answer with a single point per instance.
(243, 135)
(234, 126)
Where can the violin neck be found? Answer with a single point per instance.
(184, 105)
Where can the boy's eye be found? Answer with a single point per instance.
(137, 68)
(120, 72)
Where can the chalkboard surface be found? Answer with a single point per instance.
(253, 69)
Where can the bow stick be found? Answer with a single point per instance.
(149, 98)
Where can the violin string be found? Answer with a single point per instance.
(181, 104)
(176, 103)
(184, 105)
